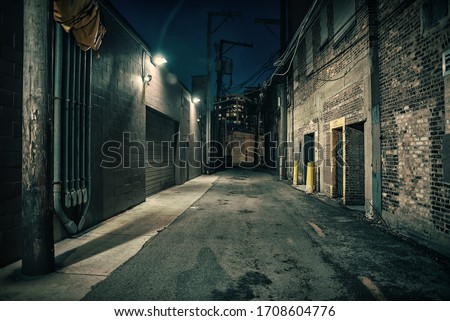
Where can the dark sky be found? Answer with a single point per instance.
(177, 29)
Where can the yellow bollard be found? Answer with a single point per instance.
(295, 178)
(310, 178)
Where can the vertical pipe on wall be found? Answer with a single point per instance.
(88, 106)
(57, 126)
(73, 194)
(83, 128)
(77, 125)
(67, 54)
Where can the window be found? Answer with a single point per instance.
(433, 11)
(323, 26)
(446, 63)
(343, 16)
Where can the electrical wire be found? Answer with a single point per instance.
(292, 49)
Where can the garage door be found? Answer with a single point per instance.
(160, 167)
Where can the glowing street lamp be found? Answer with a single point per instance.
(195, 100)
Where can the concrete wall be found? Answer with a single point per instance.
(416, 201)
(11, 56)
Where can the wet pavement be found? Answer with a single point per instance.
(253, 237)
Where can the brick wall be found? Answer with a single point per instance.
(355, 178)
(415, 199)
(11, 55)
(337, 87)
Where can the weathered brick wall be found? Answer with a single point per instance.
(355, 179)
(415, 199)
(337, 87)
(11, 55)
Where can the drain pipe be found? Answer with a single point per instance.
(88, 107)
(68, 224)
(77, 125)
(83, 128)
(73, 194)
(67, 51)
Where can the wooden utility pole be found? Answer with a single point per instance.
(209, 34)
(37, 246)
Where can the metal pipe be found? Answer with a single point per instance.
(77, 124)
(88, 139)
(73, 194)
(83, 128)
(68, 224)
(67, 51)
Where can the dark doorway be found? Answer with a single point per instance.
(309, 152)
(339, 162)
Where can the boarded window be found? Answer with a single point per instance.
(343, 17)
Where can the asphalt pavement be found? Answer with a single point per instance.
(253, 237)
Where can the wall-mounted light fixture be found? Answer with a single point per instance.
(159, 60)
(146, 77)
(195, 100)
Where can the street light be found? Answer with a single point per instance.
(195, 100)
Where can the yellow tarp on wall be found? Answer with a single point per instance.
(82, 18)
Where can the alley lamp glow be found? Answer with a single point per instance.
(195, 100)
(159, 60)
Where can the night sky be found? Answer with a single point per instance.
(177, 29)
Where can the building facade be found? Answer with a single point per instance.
(368, 103)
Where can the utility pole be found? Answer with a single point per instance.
(208, 93)
(283, 107)
(37, 242)
(282, 138)
(220, 57)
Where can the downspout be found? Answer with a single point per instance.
(83, 129)
(88, 107)
(77, 126)
(73, 194)
(67, 199)
(68, 224)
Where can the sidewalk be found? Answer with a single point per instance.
(88, 259)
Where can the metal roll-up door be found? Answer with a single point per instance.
(160, 166)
